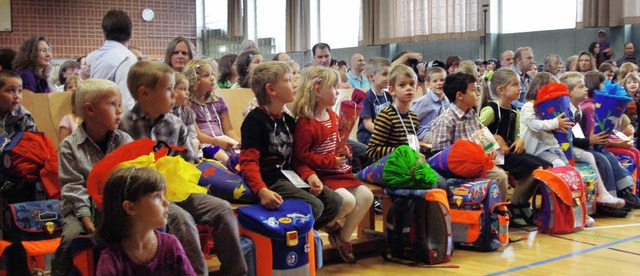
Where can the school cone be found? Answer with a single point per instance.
(553, 100)
(610, 104)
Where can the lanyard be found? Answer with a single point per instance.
(203, 106)
(375, 96)
(402, 122)
(500, 120)
(275, 130)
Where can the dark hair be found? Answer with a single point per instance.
(242, 64)
(319, 46)
(7, 74)
(27, 57)
(117, 25)
(64, 67)
(224, 66)
(129, 183)
(605, 67)
(79, 60)
(342, 63)
(172, 47)
(277, 56)
(455, 83)
(6, 57)
(541, 79)
(333, 62)
(592, 81)
(592, 47)
(449, 62)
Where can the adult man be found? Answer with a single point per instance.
(523, 58)
(553, 64)
(506, 59)
(321, 54)
(604, 45)
(355, 76)
(628, 54)
(113, 60)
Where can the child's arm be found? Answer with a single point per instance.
(366, 114)
(528, 116)
(224, 144)
(377, 145)
(63, 132)
(74, 190)
(227, 128)
(487, 116)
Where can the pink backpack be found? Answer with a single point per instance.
(562, 208)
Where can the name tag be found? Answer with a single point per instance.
(295, 179)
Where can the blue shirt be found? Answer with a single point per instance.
(525, 79)
(428, 107)
(112, 62)
(371, 106)
(362, 83)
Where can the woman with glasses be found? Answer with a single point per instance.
(68, 69)
(33, 64)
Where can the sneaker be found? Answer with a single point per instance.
(344, 247)
(377, 205)
(611, 201)
(590, 221)
(631, 200)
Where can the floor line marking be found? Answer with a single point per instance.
(570, 239)
(561, 257)
(612, 226)
(624, 251)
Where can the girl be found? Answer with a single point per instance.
(67, 69)
(316, 139)
(213, 125)
(500, 117)
(585, 63)
(294, 77)
(607, 69)
(625, 69)
(33, 64)
(183, 110)
(228, 71)
(631, 83)
(245, 63)
(134, 206)
(70, 122)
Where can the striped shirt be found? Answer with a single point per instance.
(389, 133)
(329, 146)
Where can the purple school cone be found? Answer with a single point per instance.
(373, 173)
(553, 100)
(224, 184)
(608, 109)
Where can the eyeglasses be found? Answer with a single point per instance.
(45, 50)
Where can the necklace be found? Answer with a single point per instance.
(147, 258)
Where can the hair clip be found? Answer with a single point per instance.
(317, 80)
(250, 56)
(126, 185)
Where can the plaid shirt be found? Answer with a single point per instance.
(453, 125)
(166, 128)
(17, 120)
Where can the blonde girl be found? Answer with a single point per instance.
(213, 125)
(316, 140)
(70, 122)
(182, 108)
(134, 207)
(625, 69)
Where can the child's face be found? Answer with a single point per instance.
(404, 89)
(107, 110)
(284, 88)
(162, 97)
(469, 98)
(180, 56)
(206, 81)
(151, 210)
(629, 130)
(631, 85)
(380, 79)
(255, 60)
(44, 54)
(609, 74)
(511, 91)
(533, 70)
(10, 94)
(72, 86)
(436, 80)
(579, 93)
(296, 75)
(182, 92)
(327, 96)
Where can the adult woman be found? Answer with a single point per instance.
(586, 63)
(32, 63)
(178, 53)
(594, 49)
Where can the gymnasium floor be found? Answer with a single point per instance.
(610, 247)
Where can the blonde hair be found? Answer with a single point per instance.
(468, 67)
(294, 65)
(267, 72)
(628, 77)
(401, 70)
(192, 72)
(436, 70)
(146, 74)
(624, 70)
(571, 79)
(92, 91)
(500, 78)
(305, 102)
(180, 78)
(623, 123)
(73, 79)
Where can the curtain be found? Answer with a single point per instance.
(298, 25)
(610, 13)
(414, 20)
(235, 18)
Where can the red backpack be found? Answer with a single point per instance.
(562, 209)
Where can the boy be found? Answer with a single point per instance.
(15, 117)
(460, 121)
(377, 99)
(151, 85)
(267, 138)
(396, 124)
(432, 104)
(98, 104)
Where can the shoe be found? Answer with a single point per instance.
(377, 205)
(631, 200)
(606, 211)
(344, 247)
(611, 201)
(590, 221)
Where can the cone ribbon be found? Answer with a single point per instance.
(553, 100)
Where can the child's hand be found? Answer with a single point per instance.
(315, 184)
(345, 152)
(564, 123)
(518, 146)
(621, 144)
(88, 225)
(269, 199)
(502, 143)
(598, 139)
(493, 155)
(225, 143)
(341, 161)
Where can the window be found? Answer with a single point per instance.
(270, 25)
(519, 16)
(339, 23)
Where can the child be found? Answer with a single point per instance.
(134, 207)
(294, 77)
(266, 156)
(501, 118)
(228, 71)
(182, 109)
(98, 104)
(377, 70)
(432, 104)
(245, 64)
(152, 85)
(631, 83)
(212, 115)
(316, 139)
(15, 117)
(70, 122)
(607, 69)
(461, 122)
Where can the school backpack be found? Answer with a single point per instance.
(479, 217)
(418, 226)
(589, 176)
(562, 208)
